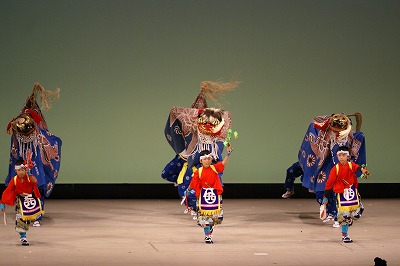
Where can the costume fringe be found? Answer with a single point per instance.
(206, 142)
(358, 117)
(45, 96)
(214, 91)
(27, 143)
(210, 212)
(348, 208)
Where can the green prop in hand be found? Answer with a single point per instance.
(227, 141)
(366, 175)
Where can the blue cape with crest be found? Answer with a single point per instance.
(44, 147)
(46, 158)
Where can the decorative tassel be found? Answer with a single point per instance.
(210, 212)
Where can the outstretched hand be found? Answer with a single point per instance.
(229, 149)
(365, 172)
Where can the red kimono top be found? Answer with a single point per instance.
(18, 187)
(209, 178)
(344, 178)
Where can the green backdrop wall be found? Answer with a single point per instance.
(121, 66)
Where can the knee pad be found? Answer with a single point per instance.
(21, 226)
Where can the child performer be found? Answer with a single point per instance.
(208, 188)
(22, 186)
(343, 180)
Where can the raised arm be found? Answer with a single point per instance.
(226, 159)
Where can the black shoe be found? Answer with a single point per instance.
(208, 240)
(347, 239)
(24, 242)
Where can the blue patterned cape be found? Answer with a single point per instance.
(46, 158)
(317, 154)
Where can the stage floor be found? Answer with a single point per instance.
(157, 232)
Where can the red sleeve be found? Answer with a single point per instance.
(9, 194)
(34, 188)
(194, 183)
(218, 186)
(36, 191)
(219, 166)
(331, 179)
(355, 168)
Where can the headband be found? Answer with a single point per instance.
(17, 167)
(205, 156)
(343, 152)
